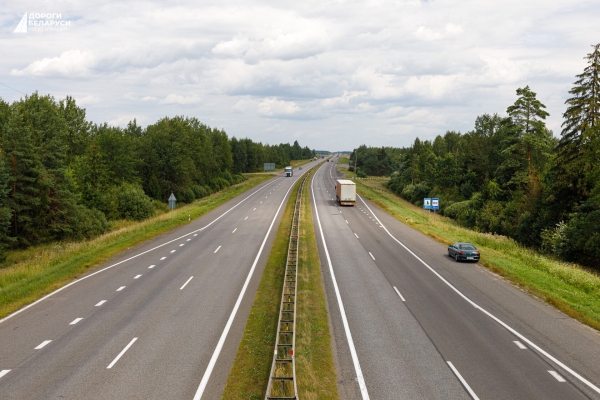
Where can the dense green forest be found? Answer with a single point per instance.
(510, 175)
(63, 177)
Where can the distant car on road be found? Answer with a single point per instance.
(463, 251)
(299, 167)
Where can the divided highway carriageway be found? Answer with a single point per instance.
(408, 322)
(162, 321)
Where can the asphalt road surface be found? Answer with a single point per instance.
(163, 321)
(408, 322)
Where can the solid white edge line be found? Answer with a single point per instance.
(372, 256)
(121, 353)
(135, 256)
(358, 370)
(507, 327)
(519, 344)
(465, 384)
(215, 356)
(186, 282)
(42, 345)
(557, 376)
(76, 320)
(100, 303)
(397, 291)
(217, 249)
(4, 372)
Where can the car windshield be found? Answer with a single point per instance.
(467, 247)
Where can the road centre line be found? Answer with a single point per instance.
(186, 282)
(217, 249)
(76, 320)
(245, 218)
(121, 353)
(182, 244)
(137, 276)
(506, 326)
(4, 372)
(162, 258)
(234, 230)
(372, 256)
(461, 379)
(215, 356)
(152, 266)
(519, 344)
(135, 256)
(173, 251)
(358, 370)
(397, 291)
(557, 376)
(356, 236)
(121, 288)
(254, 209)
(42, 345)
(100, 303)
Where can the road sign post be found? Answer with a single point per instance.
(172, 202)
(426, 206)
(435, 205)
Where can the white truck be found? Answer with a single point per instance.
(289, 171)
(345, 192)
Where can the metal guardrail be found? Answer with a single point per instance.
(282, 380)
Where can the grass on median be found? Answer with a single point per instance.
(32, 273)
(315, 370)
(574, 291)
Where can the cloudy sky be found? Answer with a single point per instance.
(330, 74)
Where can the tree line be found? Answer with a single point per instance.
(63, 177)
(509, 175)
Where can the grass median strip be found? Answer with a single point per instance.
(315, 370)
(574, 291)
(30, 274)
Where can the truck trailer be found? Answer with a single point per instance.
(345, 192)
(289, 171)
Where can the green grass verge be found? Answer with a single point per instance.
(574, 291)
(315, 369)
(343, 160)
(249, 375)
(30, 274)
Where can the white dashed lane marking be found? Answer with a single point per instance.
(186, 282)
(137, 276)
(217, 249)
(4, 372)
(152, 266)
(121, 288)
(100, 303)
(43, 344)
(173, 251)
(76, 320)
(162, 258)
(557, 376)
(519, 344)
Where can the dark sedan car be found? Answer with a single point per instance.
(463, 251)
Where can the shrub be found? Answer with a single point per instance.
(133, 203)
(199, 191)
(87, 223)
(160, 206)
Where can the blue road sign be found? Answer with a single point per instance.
(427, 203)
(435, 203)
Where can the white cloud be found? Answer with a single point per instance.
(380, 72)
(178, 99)
(71, 63)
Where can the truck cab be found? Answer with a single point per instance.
(289, 171)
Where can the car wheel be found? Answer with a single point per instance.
(456, 257)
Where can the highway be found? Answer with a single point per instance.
(160, 321)
(408, 322)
